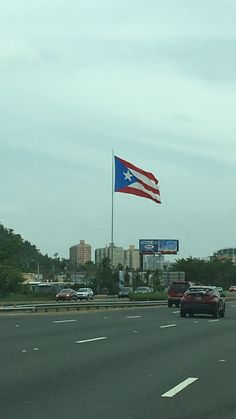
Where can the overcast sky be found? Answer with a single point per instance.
(154, 80)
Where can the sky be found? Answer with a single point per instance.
(154, 81)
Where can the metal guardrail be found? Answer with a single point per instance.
(34, 308)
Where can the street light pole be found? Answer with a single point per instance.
(38, 270)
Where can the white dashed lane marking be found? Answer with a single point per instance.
(172, 392)
(91, 340)
(167, 325)
(64, 321)
(132, 317)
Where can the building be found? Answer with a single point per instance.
(152, 262)
(112, 252)
(80, 253)
(132, 258)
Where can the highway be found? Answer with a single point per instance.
(145, 363)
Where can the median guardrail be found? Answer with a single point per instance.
(34, 308)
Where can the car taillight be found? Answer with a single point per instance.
(210, 299)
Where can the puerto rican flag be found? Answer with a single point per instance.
(130, 179)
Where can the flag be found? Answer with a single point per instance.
(130, 179)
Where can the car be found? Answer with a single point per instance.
(232, 288)
(85, 294)
(176, 291)
(125, 292)
(221, 291)
(66, 294)
(202, 300)
(143, 290)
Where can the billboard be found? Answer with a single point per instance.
(160, 246)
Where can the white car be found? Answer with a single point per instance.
(142, 290)
(84, 294)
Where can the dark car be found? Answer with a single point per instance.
(125, 292)
(66, 294)
(176, 291)
(202, 300)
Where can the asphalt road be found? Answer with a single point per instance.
(140, 364)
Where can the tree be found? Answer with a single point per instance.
(219, 272)
(105, 279)
(10, 280)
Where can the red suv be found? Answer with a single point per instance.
(202, 300)
(176, 291)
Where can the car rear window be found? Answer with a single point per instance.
(200, 290)
(179, 287)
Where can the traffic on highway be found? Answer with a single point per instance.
(136, 363)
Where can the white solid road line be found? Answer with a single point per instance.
(179, 387)
(91, 340)
(64, 321)
(167, 325)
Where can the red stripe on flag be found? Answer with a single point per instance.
(138, 192)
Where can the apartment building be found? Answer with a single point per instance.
(80, 253)
(132, 258)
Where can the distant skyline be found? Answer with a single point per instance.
(155, 82)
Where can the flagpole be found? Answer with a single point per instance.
(112, 210)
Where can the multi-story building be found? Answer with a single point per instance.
(112, 252)
(132, 258)
(153, 262)
(80, 253)
(129, 258)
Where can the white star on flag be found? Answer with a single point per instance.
(128, 175)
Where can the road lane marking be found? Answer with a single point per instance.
(212, 321)
(172, 392)
(64, 321)
(167, 325)
(132, 317)
(35, 349)
(91, 340)
(222, 360)
(176, 312)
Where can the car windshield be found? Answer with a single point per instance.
(118, 166)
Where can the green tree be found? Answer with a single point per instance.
(105, 278)
(10, 280)
(219, 272)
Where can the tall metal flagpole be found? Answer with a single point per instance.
(112, 210)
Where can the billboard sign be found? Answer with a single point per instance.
(161, 246)
(148, 246)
